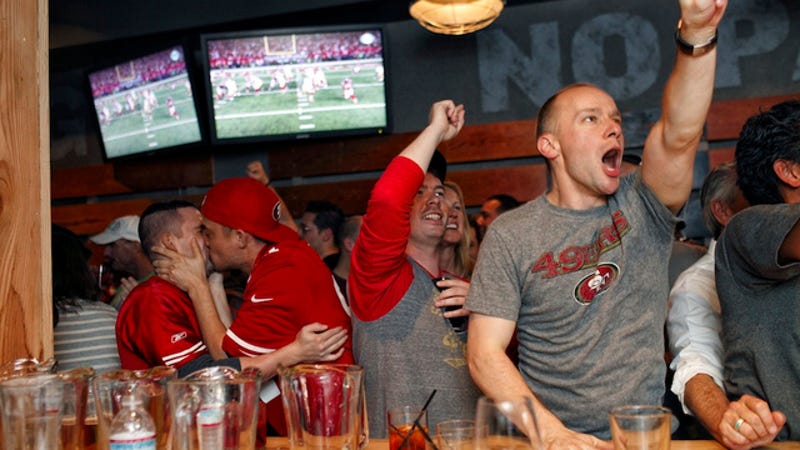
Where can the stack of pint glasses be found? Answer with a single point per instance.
(215, 408)
(42, 408)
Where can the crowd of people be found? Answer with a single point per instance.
(575, 282)
(151, 68)
(263, 51)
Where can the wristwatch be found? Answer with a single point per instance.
(694, 49)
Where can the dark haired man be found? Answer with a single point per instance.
(319, 226)
(582, 270)
(493, 207)
(758, 279)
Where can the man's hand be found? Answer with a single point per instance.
(126, 285)
(748, 423)
(185, 272)
(454, 293)
(255, 170)
(316, 343)
(447, 117)
(701, 19)
(565, 439)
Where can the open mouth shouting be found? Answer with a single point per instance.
(611, 162)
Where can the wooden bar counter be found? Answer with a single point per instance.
(274, 443)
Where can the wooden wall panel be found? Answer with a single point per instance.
(726, 118)
(173, 173)
(347, 155)
(523, 182)
(85, 182)
(25, 278)
(489, 142)
(719, 156)
(90, 218)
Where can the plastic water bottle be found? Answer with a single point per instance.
(210, 431)
(132, 427)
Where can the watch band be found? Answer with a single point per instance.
(694, 49)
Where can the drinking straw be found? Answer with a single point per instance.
(417, 425)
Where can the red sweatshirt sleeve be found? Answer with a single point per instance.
(380, 273)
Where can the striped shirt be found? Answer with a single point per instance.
(85, 336)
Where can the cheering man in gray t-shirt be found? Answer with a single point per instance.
(582, 270)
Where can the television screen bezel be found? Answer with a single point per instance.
(306, 135)
(197, 88)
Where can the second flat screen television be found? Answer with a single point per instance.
(293, 84)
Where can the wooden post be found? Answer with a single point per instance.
(26, 326)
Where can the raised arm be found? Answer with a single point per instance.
(668, 156)
(255, 170)
(497, 377)
(445, 121)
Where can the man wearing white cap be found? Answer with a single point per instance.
(123, 253)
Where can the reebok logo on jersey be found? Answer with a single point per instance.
(177, 337)
(255, 299)
(272, 250)
(596, 283)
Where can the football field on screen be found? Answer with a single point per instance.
(130, 130)
(276, 112)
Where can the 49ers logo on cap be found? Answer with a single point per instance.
(276, 212)
(596, 283)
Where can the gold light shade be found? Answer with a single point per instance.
(455, 16)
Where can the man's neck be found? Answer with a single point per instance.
(143, 268)
(342, 268)
(328, 251)
(425, 256)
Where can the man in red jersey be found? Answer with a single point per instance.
(173, 336)
(289, 285)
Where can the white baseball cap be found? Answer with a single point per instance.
(125, 227)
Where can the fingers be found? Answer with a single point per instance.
(333, 356)
(128, 283)
(164, 251)
(748, 422)
(315, 327)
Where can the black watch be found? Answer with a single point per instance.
(694, 49)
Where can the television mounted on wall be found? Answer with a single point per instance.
(296, 83)
(145, 104)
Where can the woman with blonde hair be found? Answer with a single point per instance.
(454, 256)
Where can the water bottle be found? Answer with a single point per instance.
(132, 428)
(210, 431)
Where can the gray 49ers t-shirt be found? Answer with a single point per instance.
(588, 289)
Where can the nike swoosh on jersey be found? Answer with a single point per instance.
(255, 299)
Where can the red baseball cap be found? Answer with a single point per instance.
(246, 204)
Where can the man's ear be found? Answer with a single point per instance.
(787, 171)
(327, 234)
(348, 244)
(242, 238)
(168, 241)
(547, 146)
(721, 212)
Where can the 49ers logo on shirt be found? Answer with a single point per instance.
(596, 283)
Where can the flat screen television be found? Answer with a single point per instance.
(296, 83)
(145, 104)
